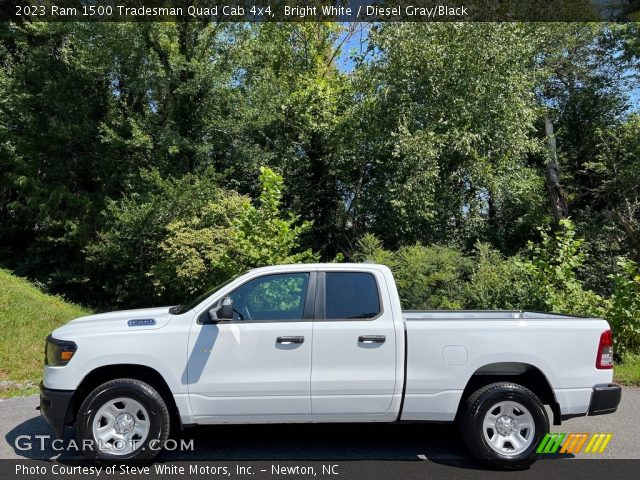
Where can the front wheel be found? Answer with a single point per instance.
(502, 424)
(123, 420)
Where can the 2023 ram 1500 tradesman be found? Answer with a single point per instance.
(323, 343)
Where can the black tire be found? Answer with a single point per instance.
(141, 392)
(473, 414)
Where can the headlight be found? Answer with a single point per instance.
(58, 352)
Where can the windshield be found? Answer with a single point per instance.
(182, 308)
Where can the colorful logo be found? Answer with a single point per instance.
(574, 442)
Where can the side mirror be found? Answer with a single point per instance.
(226, 309)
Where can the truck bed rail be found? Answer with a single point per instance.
(484, 315)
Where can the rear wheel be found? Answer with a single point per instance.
(123, 419)
(502, 424)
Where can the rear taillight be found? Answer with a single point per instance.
(604, 360)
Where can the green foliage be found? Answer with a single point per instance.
(627, 371)
(544, 278)
(549, 280)
(283, 293)
(128, 245)
(27, 316)
(586, 89)
(227, 237)
(187, 234)
(432, 135)
(624, 309)
(450, 109)
(498, 283)
(428, 277)
(614, 172)
(56, 172)
(553, 269)
(369, 248)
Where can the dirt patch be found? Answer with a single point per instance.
(6, 385)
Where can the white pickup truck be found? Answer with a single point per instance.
(323, 343)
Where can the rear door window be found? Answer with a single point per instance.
(351, 295)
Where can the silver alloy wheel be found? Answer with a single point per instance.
(120, 426)
(509, 428)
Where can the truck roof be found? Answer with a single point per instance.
(322, 266)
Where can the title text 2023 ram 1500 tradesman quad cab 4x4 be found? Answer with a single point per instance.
(323, 343)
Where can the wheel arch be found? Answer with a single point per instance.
(522, 373)
(105, 373)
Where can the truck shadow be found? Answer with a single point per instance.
(411, 442)
(322, 442)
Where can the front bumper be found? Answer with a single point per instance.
(605, 398)
(54, 407)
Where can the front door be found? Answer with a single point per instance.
(257, 365)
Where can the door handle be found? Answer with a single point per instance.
(372, 339)
(289, 340)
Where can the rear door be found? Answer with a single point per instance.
(354, 346)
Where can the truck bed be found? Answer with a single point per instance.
(445, 348)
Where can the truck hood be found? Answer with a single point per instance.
(129, 320)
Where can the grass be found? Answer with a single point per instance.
(628, 372)
(27, 316)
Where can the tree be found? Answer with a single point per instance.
(56, 173)
(432, 140)
(295, 100)
(615, 170)
(449, 113)
(91, 104)
(176, 236)
(584, 93)
(227, 237)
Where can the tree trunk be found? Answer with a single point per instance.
(554, 189)
(627, 217)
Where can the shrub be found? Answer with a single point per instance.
(552, 268)
(184, 235)
(133, 228)
(624, 308)
(227, 237)
(428, 277)
(499, 283)
(544, 278)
